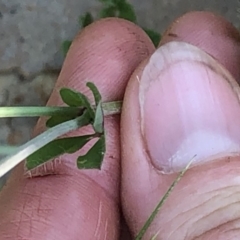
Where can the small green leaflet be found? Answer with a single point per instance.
(55, 149)
(88, 115)
(126, 11)
(72, 98)
(86, 20)
(65, 46)
(95, 92)
(94, 157)
(154, 36)
(98, 120)
(76, 99)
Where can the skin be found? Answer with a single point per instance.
(61, 202)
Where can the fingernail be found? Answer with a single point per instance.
(189, 107)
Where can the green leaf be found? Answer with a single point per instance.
(72, 98)
(98, 120)
(108, 12)
(60, 146)
(126, 11)
(95, 92)
(86, 20)
(65, 46)
(76, 99)
(55, 120)
(94, 157)
(154, 36)
(55, 149)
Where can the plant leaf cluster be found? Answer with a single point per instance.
(89, 115)
(113, 8)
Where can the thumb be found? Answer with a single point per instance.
(186, 104)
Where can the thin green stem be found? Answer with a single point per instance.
(7, 112)
(159, 205)
(109, 108)
(112, 108)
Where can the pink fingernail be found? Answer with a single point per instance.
(189, 106)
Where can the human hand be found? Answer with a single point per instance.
(189, 106)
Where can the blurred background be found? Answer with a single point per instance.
(31, 35)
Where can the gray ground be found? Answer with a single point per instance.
(31, 32)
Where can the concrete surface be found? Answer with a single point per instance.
(31, 33)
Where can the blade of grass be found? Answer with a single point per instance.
(9, 162)
(109, 108)
(6, 112)
(160, 204)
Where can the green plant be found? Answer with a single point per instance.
(77, 113)
(113, 8)
(48, 145)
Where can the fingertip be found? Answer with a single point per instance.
(211, 33)
(105, 52)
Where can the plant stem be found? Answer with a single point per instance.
(22, 152)
(156, 210)
(112, 108)
(7, 112)
(36, 143)
(109, 108)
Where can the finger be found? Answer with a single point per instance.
(68, 203)
(212, 33)
(185, 103)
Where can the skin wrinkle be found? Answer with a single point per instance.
(99, 218)
(187, 236)
(204, 218)
(217, 230)
(186, 220)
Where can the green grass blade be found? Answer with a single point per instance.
(160, 204)
(7, 112)
(11, 161)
